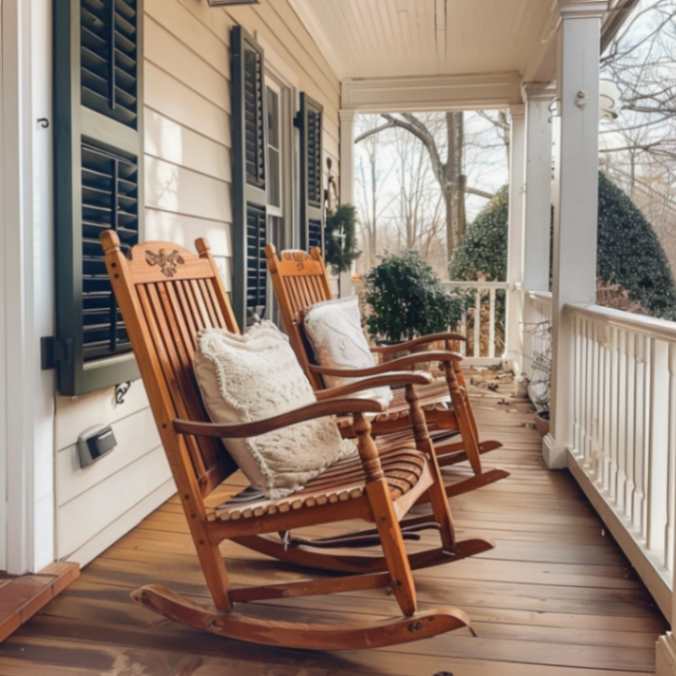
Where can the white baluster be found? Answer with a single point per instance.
(658, 446)
(577, 393)
(477, 323)
(613, 407)
(641, 433)
(623, 411)
(670, 526)
(631, 449)
(589, 396)
(491, 324)
(605, 409)
(598, 387)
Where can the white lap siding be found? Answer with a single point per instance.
(187, 194)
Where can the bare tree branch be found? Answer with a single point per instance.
(479, 193)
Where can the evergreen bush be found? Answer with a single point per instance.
(629, 254)
(407, 300)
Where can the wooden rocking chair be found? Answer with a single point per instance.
(299, 281)
(166, 295)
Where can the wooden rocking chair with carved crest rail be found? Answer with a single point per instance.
(167, 295)
(300, 280)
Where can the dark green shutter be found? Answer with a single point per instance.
(249, 166)
(98, 156)
(309, 121)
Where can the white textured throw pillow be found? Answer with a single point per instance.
(255, 376)
(334, 330)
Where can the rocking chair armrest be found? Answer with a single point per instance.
(318, 409)
(408, 361)
(395, 379)
(417, 342)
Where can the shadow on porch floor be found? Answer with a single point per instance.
(554, 598)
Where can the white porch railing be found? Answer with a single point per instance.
(624, 433)
(480, 322)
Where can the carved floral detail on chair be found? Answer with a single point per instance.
(299, 257)
(168, 262)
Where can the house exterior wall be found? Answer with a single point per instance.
(187, 194)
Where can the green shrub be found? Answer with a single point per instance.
(629, 253)
(483, 252)
(407, 299)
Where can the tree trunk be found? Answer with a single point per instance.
(374, 213)
(454, 194)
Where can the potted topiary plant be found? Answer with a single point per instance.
(340, 239)
(407, 299)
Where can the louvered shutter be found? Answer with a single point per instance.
(309, 122)
(249, 197)
(98, 155)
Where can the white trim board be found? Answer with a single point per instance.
(434, 92)
(3, 344)
(27, 269)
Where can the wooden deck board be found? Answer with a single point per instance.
(21, 596)
(554, 598)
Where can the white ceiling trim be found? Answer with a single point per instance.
(432, 92)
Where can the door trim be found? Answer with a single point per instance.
(27, 281)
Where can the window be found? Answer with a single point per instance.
(310, 121)
(274, 149)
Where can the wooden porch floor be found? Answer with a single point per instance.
(554, 598)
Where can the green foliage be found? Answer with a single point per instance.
(483, 252)
(407, 299)
(340, 238)
(629, 253)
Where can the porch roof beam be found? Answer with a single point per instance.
(436, 92)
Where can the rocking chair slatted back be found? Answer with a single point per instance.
(170, 295)
(300, 281)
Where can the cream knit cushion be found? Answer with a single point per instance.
(334, 330)
(255, 376)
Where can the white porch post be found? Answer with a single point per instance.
(346, 180)
(576, 202)
(538, 194)
(346, 155)
(515, 238)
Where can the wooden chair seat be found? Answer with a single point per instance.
(345, 480)
(435, 403)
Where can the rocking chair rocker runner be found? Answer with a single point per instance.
(166, 295)
(300, 281)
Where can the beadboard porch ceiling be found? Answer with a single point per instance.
(442, 54)
(395, 38)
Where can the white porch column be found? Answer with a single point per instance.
(515, 237)
(346, 156)
(576, 202)
(346, 180)
(538, 181)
